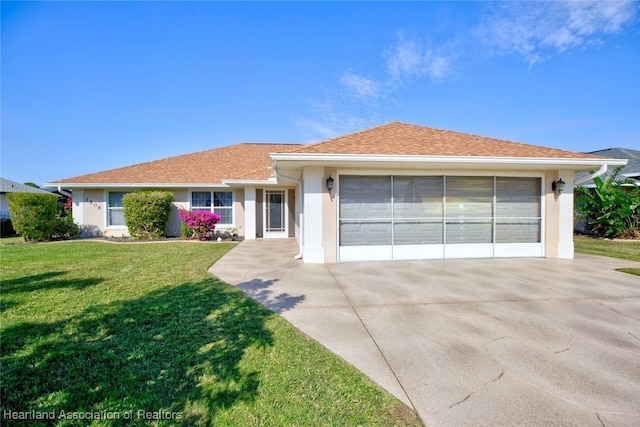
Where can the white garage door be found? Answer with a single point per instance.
(426, 217)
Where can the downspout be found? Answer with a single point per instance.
(65, 193)
(598, 173)
(300, 183)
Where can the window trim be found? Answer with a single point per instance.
(213, 207)
(108, 209)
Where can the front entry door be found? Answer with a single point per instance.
(275, 214)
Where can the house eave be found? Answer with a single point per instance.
(226, 183)
(243, 182)
(296, 160)
(135, 185)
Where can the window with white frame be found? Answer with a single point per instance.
(115, 211)
(220, 202)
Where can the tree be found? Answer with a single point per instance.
(608, 209)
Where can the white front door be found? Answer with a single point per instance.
(276, 220)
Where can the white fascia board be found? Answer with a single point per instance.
(134, 185)
(554, 163)
(232, 182)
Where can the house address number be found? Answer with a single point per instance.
(94, 204)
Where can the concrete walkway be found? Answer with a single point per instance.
(467, 342)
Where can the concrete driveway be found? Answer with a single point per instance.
(467, 342)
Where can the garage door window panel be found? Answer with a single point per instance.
(365, 233)
(365, 197)
(365, 210)
(469, 210)
(518, 210)
(469, 197)
(414, 232)
(417, 197)
(417, 210)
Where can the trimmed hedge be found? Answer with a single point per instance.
(33, 215)
(146, 213)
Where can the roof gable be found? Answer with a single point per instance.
(403, 139)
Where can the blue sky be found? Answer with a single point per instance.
(90, 86)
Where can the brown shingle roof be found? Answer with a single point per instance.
(405, 139)
(251, 161)
(239, 161)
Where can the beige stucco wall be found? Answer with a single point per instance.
(259, 214)
(291, 205)
(330, 218)
(238, 210)
(552, 217)
(94, 212)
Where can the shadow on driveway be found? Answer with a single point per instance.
(469, 342)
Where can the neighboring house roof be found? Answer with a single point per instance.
(406, 139)
(8, 186)
(239, 161)
(631, 170)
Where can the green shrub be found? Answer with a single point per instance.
(146, 213)
(6, 228)
(64, 228)
(609, 210)
(33, 215)
(185, 231)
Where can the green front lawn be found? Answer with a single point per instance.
(143, 331)
(10, 240)
(610, 248)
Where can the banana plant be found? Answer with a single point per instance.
(610, 209)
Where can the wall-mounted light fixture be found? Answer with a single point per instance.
(329, 183)
(558, 186)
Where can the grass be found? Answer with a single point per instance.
(10, 240)
(610, 248)
(114, 329)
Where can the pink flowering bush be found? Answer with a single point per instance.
(198, 224)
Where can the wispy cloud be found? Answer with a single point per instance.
(408, 59)
(538, 30)
(330, 117)
(533, 30)
(354, 105)
(361, 87)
